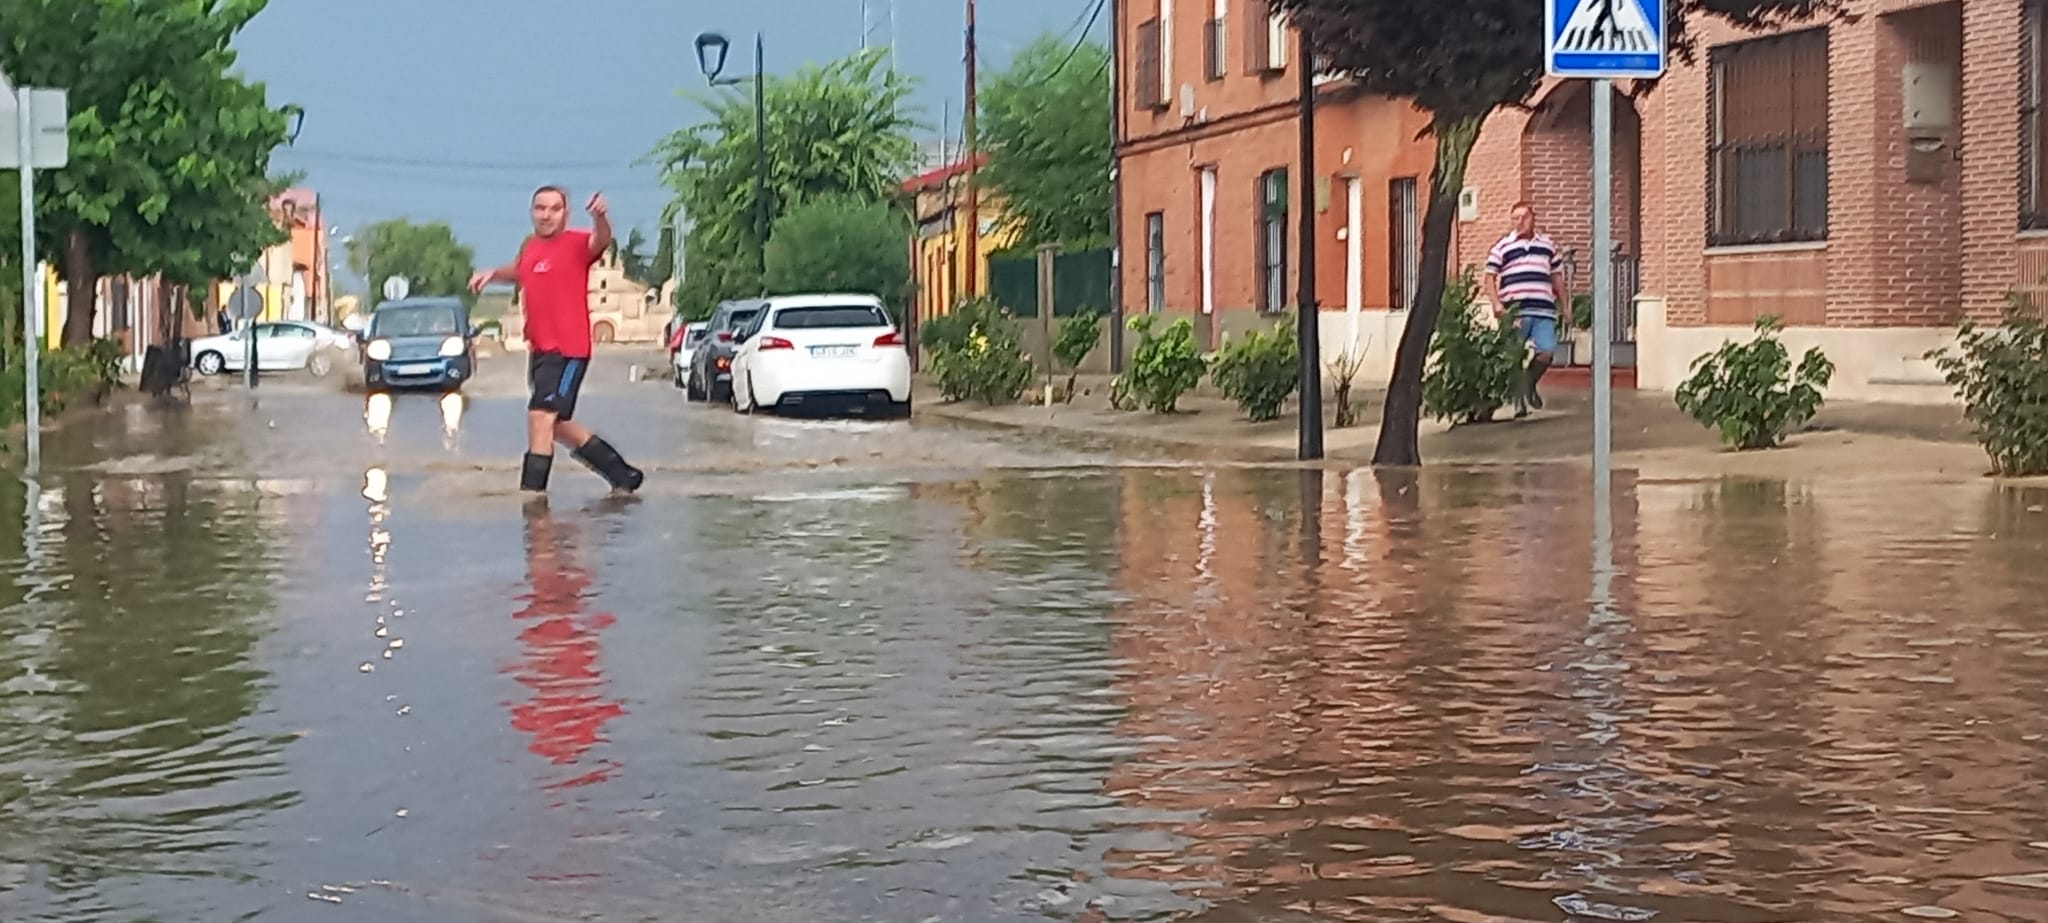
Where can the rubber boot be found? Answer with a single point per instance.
(533, 476)
(600, 457)
(1536, 369)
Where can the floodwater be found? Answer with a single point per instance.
(314, 660)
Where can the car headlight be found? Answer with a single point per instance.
(453, 346)
(379, 350)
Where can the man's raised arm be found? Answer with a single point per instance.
(601, 225)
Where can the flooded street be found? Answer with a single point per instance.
(316, 660)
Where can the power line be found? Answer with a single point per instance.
(1082, 40)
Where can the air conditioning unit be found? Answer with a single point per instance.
(1187, 101)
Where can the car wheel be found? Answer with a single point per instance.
(210, 363)
(320, 365)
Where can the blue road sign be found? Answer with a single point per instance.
(1603, 38)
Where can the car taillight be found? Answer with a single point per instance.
(776, 343)
(725, 338)
(892, 338)
(724, 363)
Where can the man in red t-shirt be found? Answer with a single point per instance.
(553, 272)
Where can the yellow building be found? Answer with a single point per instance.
(938, 251)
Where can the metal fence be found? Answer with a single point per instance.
(1627, 279)
(1080, 283)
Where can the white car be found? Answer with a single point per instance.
(822, 352)
(282, 346)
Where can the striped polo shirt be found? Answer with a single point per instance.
(1528, 269)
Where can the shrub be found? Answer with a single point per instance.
(2001, 376)
(1474, 364)
(66, 376)
(1260, 371)
(1164, 366)
(976, 354)
(1750, 393)
(840, 243)
(1078, 336)
(1343, 371)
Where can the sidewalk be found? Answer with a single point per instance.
(1649, 432)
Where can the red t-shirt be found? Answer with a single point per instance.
(554, 276)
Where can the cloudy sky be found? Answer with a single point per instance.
(455, 109)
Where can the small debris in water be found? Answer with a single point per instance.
(2036, 880)
(405, 710)
(381, 632)
(1930, 912)
(315, 895)
(387, 653)
(402, 813)
(367, 667)
(1578, 905)
(396, 643)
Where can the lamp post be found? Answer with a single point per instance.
(711, 51)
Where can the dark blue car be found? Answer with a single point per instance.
(419, 343)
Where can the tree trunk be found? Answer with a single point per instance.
(1401, 418)
(82, 283)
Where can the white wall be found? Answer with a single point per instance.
(1871, 364)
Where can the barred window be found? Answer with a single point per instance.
(2033, 128)
(1404, 238)
(1155, 262)
(1273, 240)
(1767, 156)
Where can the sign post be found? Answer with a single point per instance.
(1603, 40)
(41, 140)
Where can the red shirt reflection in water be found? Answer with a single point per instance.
(566, 713)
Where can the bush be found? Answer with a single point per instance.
(1474, 364)
(1164, 366)
(1750, 393)
(840, 243)
(2001, 376)
(975, 354)
(1260, 371)
(1078, 336)
(66, 376)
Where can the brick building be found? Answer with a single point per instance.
(1207, 148)
(1869, 179)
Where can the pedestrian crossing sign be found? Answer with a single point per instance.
(1603, 38)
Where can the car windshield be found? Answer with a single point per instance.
(422, 321)
(822, 317)
(738, 319)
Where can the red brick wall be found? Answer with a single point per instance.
(1989, 187)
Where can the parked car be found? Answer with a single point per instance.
(710, 374)
(685, 346)
(281, 346)
(829, 353)
(419, 343)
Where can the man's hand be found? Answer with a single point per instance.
(598, 207)
(482, 278)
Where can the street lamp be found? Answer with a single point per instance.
(711, 51)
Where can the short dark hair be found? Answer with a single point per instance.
(1518, 206)
(557, 190)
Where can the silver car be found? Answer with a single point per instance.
(281, 346)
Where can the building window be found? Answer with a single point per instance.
(1150, 93)
(1212, 49)
(1265, 38)
(1404, 238)
(2033, 128)
(1155, 262)
(1273, 240)
(1767, 156)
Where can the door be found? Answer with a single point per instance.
(284, 347)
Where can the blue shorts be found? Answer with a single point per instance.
(1541, 332)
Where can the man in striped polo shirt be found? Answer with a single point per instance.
(1524, 273)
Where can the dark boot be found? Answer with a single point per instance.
(533, 476)
(600, 457)
(1536, 369)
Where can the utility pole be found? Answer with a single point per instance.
(1309, 319)
(973, 255)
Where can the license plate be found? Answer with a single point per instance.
(832, 352)
(414, 370)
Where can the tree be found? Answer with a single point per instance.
(1045, 124)
(169, 147)
(633, 257)
(842, 243)
(664, 264)
(840, 128)
(1459, 60)
(427, 255)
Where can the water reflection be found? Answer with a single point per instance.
(567, 710)
(377, 415)
(452, 405)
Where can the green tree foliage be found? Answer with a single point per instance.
(1474, 361)
(1459, 60)
(1045, 124)
(1750, 393)
(635, 259)
(842, 243)
(1260, 370)
(427, 255)
(170, 148)
(843, 127)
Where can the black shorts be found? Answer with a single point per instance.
(556, 380)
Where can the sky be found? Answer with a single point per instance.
(454, 110)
